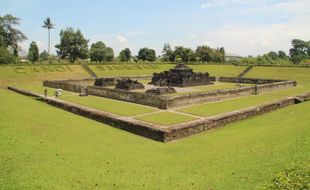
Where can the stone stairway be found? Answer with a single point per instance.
(89, 71)
(245, 71)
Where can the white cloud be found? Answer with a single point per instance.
(253, 39)
(122, 39)
(258, 39)
(212, 3)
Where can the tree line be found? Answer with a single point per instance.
(299, 53)
(73, 45)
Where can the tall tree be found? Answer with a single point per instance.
(282, 54)
(273, 55)
(205, 53)
(125, 55)
(9, 36)
(72, 45)
(44, 56)
(47, 23)
(300, 50)
(33, 52)
(184, 53)
(146, 54)
(99, 52)
(168, 54)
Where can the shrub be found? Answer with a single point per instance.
(6, 57)
(297, 178)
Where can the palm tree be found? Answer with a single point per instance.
(49, 25)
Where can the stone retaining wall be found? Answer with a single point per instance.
(141, 128)
(172, 101)
(249, 80)
(129, 96)
(173, 132)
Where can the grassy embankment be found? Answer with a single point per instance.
(43, 147)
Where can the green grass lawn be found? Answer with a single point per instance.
(43, 147)
(214, 108)
(109, 105)
(105, 104)
(15, 75)
(214, 70)
(165, 118)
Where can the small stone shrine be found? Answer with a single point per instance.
(105, 82)
(180, 76)
(128, 84)
(161, 90)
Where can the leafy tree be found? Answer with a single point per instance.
(282, 55)
(9, 36)
(168, 54)
(146, 54)
(300, 50)
(72, 45)
(205, 53)
(218, 56)
(44, 56)
(47, 23)
(109, 54)
(99, 52)
(6, 57)
(125, 55)
(33, 52)
(273, 55)
(186, 54)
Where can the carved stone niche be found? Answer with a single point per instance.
(161, 90)
(105, 82)
(128, 84)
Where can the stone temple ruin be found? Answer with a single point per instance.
(128, 84)
(161, 90)
(166, 95)
(105, 82)
(181, 76)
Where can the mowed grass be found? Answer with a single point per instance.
(109, 105)
(301, 75)
(213, 70)
(105, 104)
(165, 118)
(15, 75)
(42, 147)
(229, 105)
(215, 108)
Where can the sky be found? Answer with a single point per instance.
(244, 27)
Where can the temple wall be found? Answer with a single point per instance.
(215, 95)
(172, 101)
(170, 133)
(248, 80)
(129, 96)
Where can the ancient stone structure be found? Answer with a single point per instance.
(180, 76)
(177, 100)
(173, 132)
(105, 82)
(128, 84)
(161, 90)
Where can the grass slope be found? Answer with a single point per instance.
(42, 147)
(58, 150)
(14, 75)
(110, 105)
(214, 70)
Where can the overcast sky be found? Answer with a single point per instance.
(245, 27)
